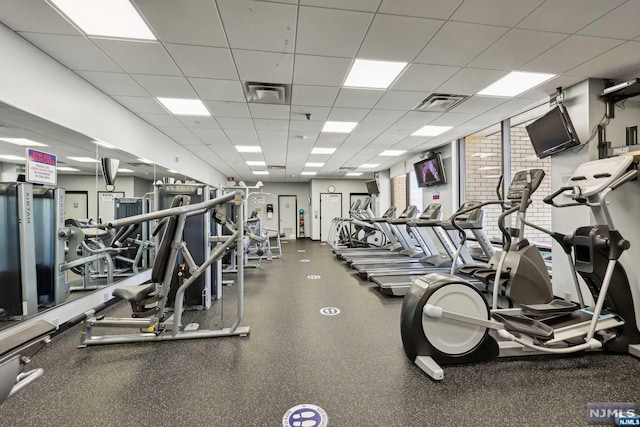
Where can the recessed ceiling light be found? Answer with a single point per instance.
(11, 157)
(67, 169)
(172, 171)
(83, 159)
(248, 148)
(143, 160)
(392, 153)
(308, 173)
(256, 163)
(369, 165)
(104, 144)
(515, 83)
(313, 165)
(319, 150)
(184, 107)
(23, 141)
(261, 172)
(431, 130)
(373, 74)
(125, 170)
(339, 127)
(354, 174)
(107, 18)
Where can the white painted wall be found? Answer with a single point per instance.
(299, 189)
(382, 202)
(343, 186)
(34, 82)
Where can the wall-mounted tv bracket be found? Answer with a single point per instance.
(615, 93)
(558, 98)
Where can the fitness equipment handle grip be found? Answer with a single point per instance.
(624, 179)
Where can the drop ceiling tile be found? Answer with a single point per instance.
(317, 113)
(612, 63)
(227, 109)
(452, 119)
(347, 114)
(347, 29)
(187, 140)
(457, 43)
(323, 96)
(438, 9)
(200, 61)
(217, 142)
(141, 105)
(161, 119)
(516, 48)
(233, 123)
(270, 137)
(358, 98)
(199, 122)
(424, 78)
(560, 15)
(470, 81)
(34, 16)
(210, 134)
(298, 126)
(361, 5)
(166, 86)
(264, 67)
(478, 104)
(267, 111)
(330, 139)
(400, 100)
(218, 90)
(388, 139)
(139, 57)
(242, 136)
(549, 87)
(495, 12)
(378, 121)
(271, 124)
(113, 83)
(76, 53)
(410, 35)
(175, 131)
(320, 70)
(188, 21)
(258, 25)
(621, 23)
(570, 53)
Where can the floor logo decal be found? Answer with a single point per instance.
(301, 250)
(313, 277)
(330, 311)
(305, 260)
(305, 416)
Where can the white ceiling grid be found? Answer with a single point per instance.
(207, 48)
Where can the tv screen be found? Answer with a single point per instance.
(372, 187)
(430, 171)
(552, 133)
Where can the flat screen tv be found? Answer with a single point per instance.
(430, 171)
(552, 133)
(372, 187)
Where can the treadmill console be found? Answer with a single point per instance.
(390, 213)
(533, 177)
(432, 211)
(470, 216)
(409, 213)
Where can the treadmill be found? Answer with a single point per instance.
(378, 222)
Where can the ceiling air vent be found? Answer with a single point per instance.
(440, 102)
(267, 93)
(276, 167)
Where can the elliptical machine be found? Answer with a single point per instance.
(445, 320)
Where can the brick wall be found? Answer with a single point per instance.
(399, 193)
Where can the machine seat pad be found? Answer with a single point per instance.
(134, 293)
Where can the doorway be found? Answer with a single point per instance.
(76, 205)
(288, 216)
(330, 208)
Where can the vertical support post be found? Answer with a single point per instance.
(240, 258)
(459, 156)
(61, 288)
(206, 218)
(28, 277)
(506, 161)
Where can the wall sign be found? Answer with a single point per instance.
(305, 415)
(331, 198)
(258, 200)
(41, 167)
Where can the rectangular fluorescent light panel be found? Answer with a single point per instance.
(261, 172)
(515, 83)
(354, 174)
(373, 74)
(67, 169)
(24, 142)
(256, 163)
(143, 160)
(313, 165)
(107, 18)
(339, 127)
(124, 170)
(392, 153)
(104, 144)
(369, 165)
(172, 171)
(318, 150)
(431, 130)
(11, 157)
(308, 173)
(248, 148)
(184, 107)
(83, 159)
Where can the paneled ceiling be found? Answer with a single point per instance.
(206, 49)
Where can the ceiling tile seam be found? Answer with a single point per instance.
(602, 16)
(597, 56)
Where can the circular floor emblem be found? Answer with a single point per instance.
(305, 260)
(301, 250)
(284, 241)
(313, 277)
(330, 311)
(323, 244)
(305, 416)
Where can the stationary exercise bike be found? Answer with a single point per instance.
(445, 320)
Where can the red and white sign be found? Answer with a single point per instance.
(41, 167)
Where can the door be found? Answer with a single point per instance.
(330, 208)
(288, 215)
(76, 205)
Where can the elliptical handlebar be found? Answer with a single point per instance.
(624, 179)
(549, 200)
